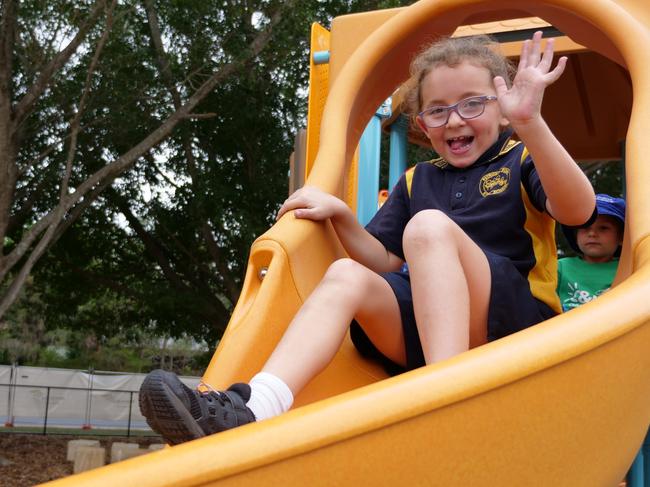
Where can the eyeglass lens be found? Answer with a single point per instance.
(467, 109)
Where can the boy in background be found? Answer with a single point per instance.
(585, 277)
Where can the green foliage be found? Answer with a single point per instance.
(25, 340)
(607, 177)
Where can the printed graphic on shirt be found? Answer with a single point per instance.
(495, 182)
(578, 297)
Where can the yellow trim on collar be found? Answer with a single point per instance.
(442, 163)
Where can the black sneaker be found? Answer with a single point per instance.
(181, 414)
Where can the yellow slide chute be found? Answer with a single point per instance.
(564, 403)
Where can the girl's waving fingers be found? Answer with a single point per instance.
(523, 100)
(530, 52)
(534, 49)
(547, 57)
(500, 86)
(554, 75)
(523, 56)
(531, 55)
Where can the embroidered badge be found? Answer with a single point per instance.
(494, 182)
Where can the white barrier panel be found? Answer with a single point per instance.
(74, 398)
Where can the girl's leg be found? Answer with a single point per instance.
(348, 290)
(450, 282)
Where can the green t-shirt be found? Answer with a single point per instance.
(579, 282)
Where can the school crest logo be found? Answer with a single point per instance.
(494, 182)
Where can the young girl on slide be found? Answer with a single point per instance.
(475, 225)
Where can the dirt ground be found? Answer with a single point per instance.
(37, 458)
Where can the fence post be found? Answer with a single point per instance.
(91, 378)
(13, 377)
(128, 426)
(47, 407)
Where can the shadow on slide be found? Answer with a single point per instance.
(563, 403)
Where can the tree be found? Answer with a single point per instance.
(150, 140)
(36, 107)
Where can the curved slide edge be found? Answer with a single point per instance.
(530, 409)
(557, 404)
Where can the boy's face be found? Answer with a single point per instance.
(599, 242)
(461, 142)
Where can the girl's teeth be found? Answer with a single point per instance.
(459, 143)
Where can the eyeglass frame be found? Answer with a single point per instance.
(454, 108)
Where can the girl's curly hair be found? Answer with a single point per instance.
(451, 51)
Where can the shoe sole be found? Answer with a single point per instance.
(165, 413)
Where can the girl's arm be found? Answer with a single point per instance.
(571, 198)
(313, 204)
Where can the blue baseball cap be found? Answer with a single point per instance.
(606, 205)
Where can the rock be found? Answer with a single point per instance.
(73, 445)
(135, 452)
(89, 457)
(120, 451)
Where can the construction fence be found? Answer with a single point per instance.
(49, 400)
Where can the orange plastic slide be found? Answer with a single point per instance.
(564, 403)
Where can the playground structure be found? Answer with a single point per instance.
(561, 403)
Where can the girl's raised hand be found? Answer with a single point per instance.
(522, 103)
(311, 203)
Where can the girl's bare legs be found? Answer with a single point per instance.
(450, 283)
(348, 290)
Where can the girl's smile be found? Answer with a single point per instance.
(459, 145)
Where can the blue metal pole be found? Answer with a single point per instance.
(645, 451)
(639, 473)
(398, 146)
(635, 474)
(368, 172)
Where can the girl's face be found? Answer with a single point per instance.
(461, 142)
(599, 241)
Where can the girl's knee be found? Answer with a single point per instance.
(346, 271)
(351, 279)
(427, 228)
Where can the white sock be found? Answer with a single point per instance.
(270, 396)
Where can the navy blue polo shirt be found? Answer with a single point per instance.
(498, 201)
